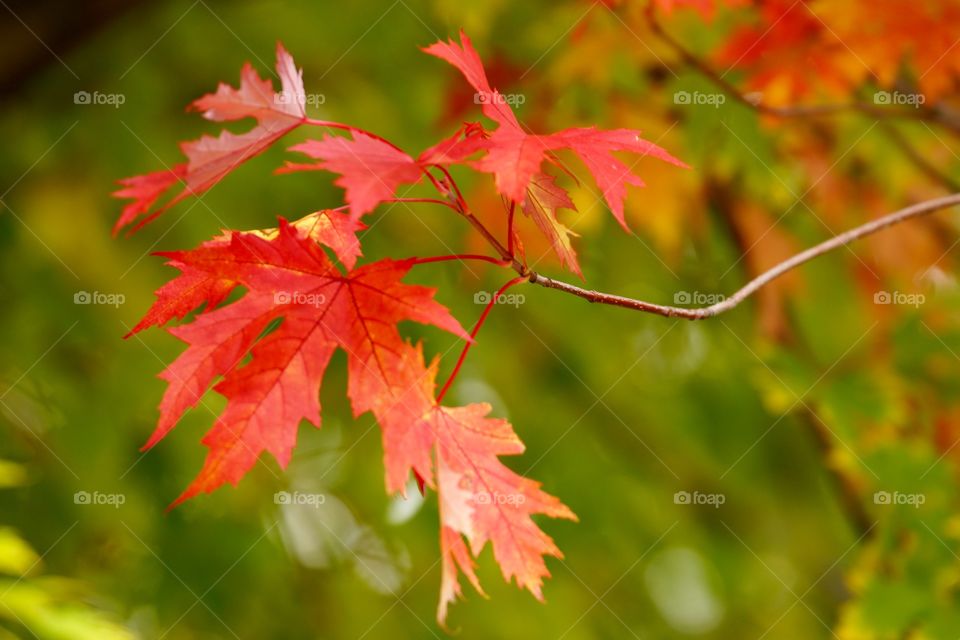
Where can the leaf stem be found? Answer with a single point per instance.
(474, 332)
(462, 257)
(464, 210)
(513, 207)
(453, 183)
(346, 127)
(444, 203)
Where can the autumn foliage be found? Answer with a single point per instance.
(308, 290)
(304, 276)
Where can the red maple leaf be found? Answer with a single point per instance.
(370, 168)
(456, 450)
(288, 277)
(145, 190)
(484, 501)
(209, 159)
(515, 156)
(272, 306)
(182, 295)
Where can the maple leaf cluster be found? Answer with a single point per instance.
(795, 49)
(304, 297)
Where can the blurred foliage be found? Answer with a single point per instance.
(798, 407)
(46, 607)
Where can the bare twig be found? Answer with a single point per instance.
(698, 313)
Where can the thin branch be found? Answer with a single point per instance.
(698, 313)
(464, 210)
(452, 183)
(490, 238)
(689, 313)
(695, 313)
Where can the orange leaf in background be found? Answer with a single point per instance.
(706, 8)
(797, 49)
(881, 38)
(787, 54)
(764, 244)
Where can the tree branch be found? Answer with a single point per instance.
(698, 313)
(688, 313)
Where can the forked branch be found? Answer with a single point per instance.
(508, 259)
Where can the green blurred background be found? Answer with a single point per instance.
(795, 408)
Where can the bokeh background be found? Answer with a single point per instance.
(794, 409)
